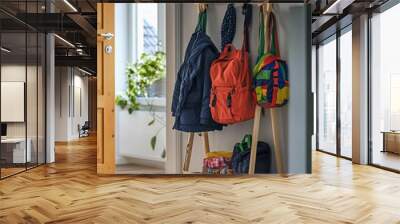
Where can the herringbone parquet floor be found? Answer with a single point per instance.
(69, 191)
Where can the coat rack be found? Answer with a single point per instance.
(274, 113)
(189, 146)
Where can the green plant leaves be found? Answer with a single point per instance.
(151, 122)
(163, 154)
(139, 77)
(120, 101)
(153, 141)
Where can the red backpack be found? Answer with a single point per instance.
(232, 97)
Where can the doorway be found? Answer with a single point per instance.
(140, 112)
(131, 130)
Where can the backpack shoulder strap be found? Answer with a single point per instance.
(200, 28)
(202, 22)
(261, 34)
(247, 12)
(273, 35)
(228, 27)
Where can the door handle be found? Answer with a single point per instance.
(107, 36)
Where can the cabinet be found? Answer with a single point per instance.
(391, 141)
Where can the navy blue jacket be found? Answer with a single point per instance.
(191, 99)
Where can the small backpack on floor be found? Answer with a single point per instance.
(232, 96)
(241, 157)
(271, 81)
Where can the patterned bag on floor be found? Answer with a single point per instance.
(218, 163)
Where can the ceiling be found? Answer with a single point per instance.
(74, 22)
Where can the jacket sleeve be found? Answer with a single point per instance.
(175, 97)
(205, 114)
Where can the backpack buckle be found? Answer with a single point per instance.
(214, 101)
(229, 100)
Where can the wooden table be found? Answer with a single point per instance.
(14, 151)
(391, 141)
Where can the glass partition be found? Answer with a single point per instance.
(326, 98)
(23, 90)
(385, 89)
(14, 153)
(346, 93)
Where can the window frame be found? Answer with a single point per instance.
(334, 37)
(134, 42)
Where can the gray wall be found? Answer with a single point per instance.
(296, 117)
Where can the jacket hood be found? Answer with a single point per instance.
(199, 41)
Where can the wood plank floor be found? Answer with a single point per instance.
(71, 192)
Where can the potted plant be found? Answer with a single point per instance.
(139, 77)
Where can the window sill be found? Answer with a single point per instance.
(155, 101)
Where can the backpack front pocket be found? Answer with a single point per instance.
(243, 104)
(221, 105)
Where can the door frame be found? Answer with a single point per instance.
(173, 48)
(106, 157)
(105, 90)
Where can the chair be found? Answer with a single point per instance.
(84, 130)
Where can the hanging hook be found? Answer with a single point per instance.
(202, 7)
(267, 7)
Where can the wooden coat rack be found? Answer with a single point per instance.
(274, 113)
(267, 8)
(189, 146)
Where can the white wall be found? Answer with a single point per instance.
(121, 61)
(33, 126)
(16, 73)
(61, 103)
(68, 83)
(12, 73)
(80, 110)
(314, 91)
(296, 122)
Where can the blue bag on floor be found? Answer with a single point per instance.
(241, 157)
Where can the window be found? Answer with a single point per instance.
(346, 94)
(385, 89)
(334, 94)
(394, 102)
(149, 36)
(326, 137)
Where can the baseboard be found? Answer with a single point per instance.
(143, 162)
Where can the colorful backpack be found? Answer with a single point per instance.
(232, 95)
(270, 73)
